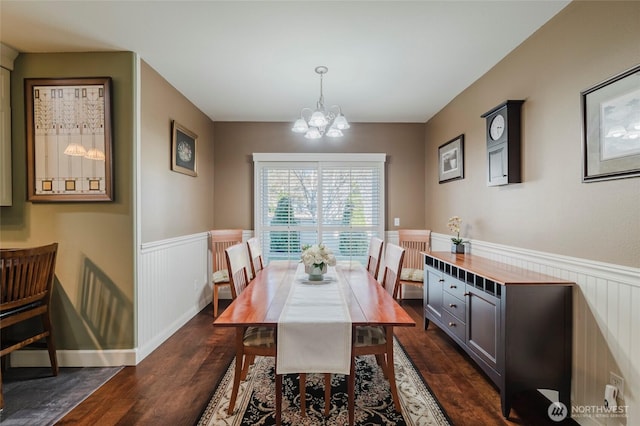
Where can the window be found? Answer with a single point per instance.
(334, 199)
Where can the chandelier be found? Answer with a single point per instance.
(329, 121)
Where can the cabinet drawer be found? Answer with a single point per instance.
(454, 305)
(454, 325)
(454, 286)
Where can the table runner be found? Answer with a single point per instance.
(314, 328)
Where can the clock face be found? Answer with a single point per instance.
(496, 129)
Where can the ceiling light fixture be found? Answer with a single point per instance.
(329, 121)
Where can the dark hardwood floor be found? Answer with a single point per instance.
(172, 385)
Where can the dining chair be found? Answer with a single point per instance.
(26, 281)
(374, 256)
(220, 240)
(414, 241)
(373, 266)
(377, 340)
(255, 255)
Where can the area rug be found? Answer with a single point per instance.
(374, 405)
(32, 396)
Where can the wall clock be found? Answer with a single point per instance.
(503, 143)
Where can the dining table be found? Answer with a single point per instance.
(264, 300)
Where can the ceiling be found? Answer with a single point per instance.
(390, 61)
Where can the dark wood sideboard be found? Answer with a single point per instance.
(514, 323)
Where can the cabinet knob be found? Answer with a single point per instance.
(452, 305)
(453, 286)
(441, 280)
(452, 324)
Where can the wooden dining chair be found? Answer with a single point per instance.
(374, 256)
(26, 281)
(377, 340)
(414, 241)
(255, 255)
(250, 341)
(373, 266)
(220, 240)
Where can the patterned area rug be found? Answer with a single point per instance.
(374, 405)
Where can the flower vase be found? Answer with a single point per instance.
(457, 248)
(316, 273)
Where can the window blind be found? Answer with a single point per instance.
(337, 201)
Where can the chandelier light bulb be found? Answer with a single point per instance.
(300, 126)
(313, 133)
(333, 132)
(341, 122)
(318, 119)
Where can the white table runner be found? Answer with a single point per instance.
(314, 328)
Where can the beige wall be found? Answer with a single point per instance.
(94, 238)
(233, 164)
(552, 210)
(172, 204)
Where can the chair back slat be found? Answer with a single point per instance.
(393, 257)
(375, 255)
(222, 239)
(26, 275)
(255, 255)
(414, 241)
(236, 256)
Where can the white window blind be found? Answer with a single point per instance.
(337, 200)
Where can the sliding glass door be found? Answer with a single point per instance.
(334, 199)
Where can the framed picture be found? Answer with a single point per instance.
(451, 160)
(611, 128)
(183, 150)
(68, 124)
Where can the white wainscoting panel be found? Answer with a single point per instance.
(173, 286)
(606, 324)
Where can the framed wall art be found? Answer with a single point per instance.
(451, 160)
(68, 124)
(611, 128)
(183, 150)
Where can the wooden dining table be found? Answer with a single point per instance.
(262, 302)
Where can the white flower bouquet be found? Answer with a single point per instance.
(317, 255)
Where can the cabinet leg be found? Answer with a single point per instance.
(426, 323)
(564, 396)
(505, 401)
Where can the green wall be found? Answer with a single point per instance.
(94, 289)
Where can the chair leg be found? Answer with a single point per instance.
(1, 392)
(351, 388)
(383, 364)
(303, 394)
(278, 399)
(237, 371)
(215, 300)
(327, 394)
(51, 347)
(391, 372)
(248, 362)
(397, 290)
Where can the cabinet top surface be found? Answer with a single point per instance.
(499, 272)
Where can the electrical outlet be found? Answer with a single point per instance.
(618, 382)
(396, 221)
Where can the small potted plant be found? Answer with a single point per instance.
(316, 258)
(457, 245)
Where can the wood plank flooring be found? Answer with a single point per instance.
(172, 385)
